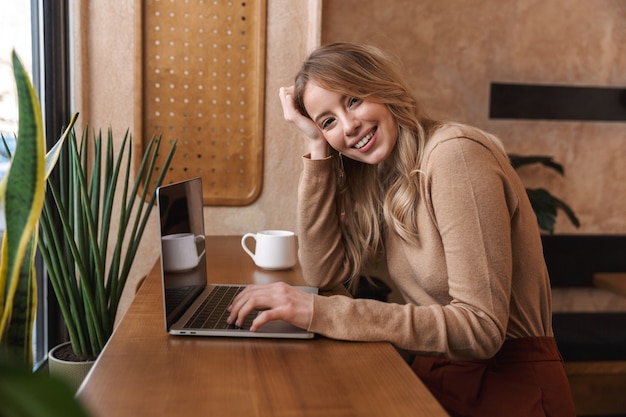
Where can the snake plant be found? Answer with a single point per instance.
(22, 192)
(88, 255)
(23, 392)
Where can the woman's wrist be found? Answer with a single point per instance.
(319, 150)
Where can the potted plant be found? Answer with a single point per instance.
(545, 205)
(23, 392)
(88, 253)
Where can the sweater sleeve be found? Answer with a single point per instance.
(465, 192)
(472, 202)
(322, 255)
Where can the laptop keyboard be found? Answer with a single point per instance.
(213, 311)
(176, 296)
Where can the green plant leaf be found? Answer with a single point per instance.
(22, 193)
(569, 212)
(27, 394)
(545, 206)
(19, 332)
(87, 275)
(547, 161)
(53, 154)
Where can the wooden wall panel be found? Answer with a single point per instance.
(202, 85)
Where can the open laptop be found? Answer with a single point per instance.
(192, 305)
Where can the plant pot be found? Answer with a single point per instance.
(73, 372)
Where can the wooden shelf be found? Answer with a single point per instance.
(613, 281)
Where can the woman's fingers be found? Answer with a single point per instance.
(253, 297)
(291, 114)
(287, 101)
(277, 301)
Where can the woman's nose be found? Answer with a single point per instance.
(351, 126)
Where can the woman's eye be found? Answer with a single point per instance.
(326, 123)
(352, 101)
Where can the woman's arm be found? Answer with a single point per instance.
(321, 251)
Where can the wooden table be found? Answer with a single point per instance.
(145, 372)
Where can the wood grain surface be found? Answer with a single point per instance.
(145, 372)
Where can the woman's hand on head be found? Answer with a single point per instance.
(315, 139)
(276, 301)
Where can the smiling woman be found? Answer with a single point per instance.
(440, 202)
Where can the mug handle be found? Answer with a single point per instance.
(197, 239)
(244, 246)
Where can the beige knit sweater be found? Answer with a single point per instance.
(477, 275)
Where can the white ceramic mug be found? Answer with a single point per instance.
(275, 249)
(180, 251)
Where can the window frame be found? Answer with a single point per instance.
(52, 78)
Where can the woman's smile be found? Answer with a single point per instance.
(365, 141)
(363, 130)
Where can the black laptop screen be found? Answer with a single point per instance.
(183, 259)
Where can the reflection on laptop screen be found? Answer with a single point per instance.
(182, 246)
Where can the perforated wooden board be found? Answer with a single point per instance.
(202, 84)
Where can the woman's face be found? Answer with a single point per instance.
(365, 131)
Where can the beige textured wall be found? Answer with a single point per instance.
(453, 49)
(105, 83)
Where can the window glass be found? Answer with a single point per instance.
(15, 33)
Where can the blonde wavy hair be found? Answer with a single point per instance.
(370, 196)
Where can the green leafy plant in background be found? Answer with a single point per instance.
(22, 392)
(87, 275)
(545, 205)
